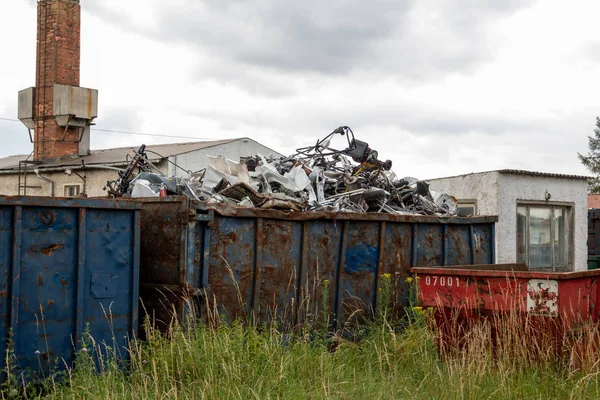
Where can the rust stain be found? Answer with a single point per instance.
(40, 280)
(232, 236)
(47, 251)
(4, 293)
(47, 218)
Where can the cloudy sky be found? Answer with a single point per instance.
(439, 87)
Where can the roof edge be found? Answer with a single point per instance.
(518, 172)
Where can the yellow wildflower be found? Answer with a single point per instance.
(409, 279)
(386, 276)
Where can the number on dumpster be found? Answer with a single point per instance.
(449, 281)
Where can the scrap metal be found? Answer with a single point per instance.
(315, 178)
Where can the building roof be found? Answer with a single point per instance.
(593, 200)
(521, 172)
(11, 162)
(541, 174)
(117, 156)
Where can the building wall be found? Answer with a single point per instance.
(513, 188)
(498, 194)
(96, 179)
(198, 160)
(480, 187)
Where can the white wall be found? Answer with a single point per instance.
(498, 193)
(197, 160)
(513, 188)
(481, 187)
(95, 181)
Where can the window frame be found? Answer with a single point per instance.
(66, 186)
(569, 240)
(467, 203)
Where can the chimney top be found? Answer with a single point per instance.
(59, 111)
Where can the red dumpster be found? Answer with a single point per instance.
(554, 309)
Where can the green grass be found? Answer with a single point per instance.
(388, 358)
(238, 362)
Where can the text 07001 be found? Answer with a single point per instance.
(447, 281)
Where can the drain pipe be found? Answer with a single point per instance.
(37, 172)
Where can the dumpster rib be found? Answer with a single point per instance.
(80, 277)
(257, 265)
(135, 270)
(302, 270)
(16, 270)
(206, 253)
(339, 281)
(379, 266)
(471, 245)
(413, 255)
(183, 242)
(445, 245)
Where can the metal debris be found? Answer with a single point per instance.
(315, 178)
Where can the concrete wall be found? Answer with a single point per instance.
(198, 160)
(513, 188)
(498, 194)
(480, 187)
(96, 179)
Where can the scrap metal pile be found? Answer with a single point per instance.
(315, 178)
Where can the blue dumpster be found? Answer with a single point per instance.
(70, 273)
(265, 264)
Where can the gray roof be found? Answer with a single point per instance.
(11, 162)
(519, 172)
(117, 156)
(542, 174)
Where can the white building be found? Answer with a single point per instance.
(49, 177)
(542, 218)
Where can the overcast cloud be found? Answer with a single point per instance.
(439, 87)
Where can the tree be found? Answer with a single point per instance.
(592, 160)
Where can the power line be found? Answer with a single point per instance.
(132, 133)
(150, 134)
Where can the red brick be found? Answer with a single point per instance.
(58, 62)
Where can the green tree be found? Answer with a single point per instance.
(592, 159)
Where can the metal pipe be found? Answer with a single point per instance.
(37, 172)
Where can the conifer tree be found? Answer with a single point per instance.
(592, 159)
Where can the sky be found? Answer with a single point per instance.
(440, 88)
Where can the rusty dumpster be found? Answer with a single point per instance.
(548, 307)
(70, 277)
(271, 265)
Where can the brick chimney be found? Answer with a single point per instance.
(57, 109)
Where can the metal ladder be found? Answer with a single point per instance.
(22, 174)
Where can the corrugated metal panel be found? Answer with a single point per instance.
(70, 268)
(264, 263)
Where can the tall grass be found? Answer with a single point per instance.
(395, 358)
(243, 362)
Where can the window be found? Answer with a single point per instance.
(72, 190)
(543, 236)
(467, 208)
